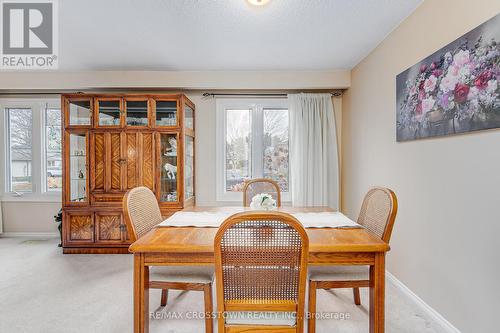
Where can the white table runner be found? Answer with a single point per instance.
(215, 219)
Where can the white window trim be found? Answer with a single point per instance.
(38, 194)
(256, 104)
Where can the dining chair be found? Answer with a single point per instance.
(261, 185)
(261, 272)
(377, 215)
(142, 214)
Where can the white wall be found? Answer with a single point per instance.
(444, 245)
(30, 217)
(176, 80)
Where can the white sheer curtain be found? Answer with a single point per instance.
(314, 166)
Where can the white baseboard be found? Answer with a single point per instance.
(36, 235)
(445, 324)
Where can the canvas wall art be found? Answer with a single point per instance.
(454, 90)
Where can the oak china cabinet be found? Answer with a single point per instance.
(113, 143)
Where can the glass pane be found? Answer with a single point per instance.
(276, 146)
(109, 113)
(189, 117)
(53, 149)
(78, 170)
(20, 143)
(166, 113)
(79, 113)
(137, 113)
(168, 174)
(189, 168)
(238, 149)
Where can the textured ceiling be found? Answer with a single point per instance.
(223, 34)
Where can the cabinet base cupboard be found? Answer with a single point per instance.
(112, 143)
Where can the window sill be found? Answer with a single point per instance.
(32, 198)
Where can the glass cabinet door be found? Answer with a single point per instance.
(80, 113)
(166, 113)
(137, 113)
(108, 113)
(168, 167)
(188, 117)
(78, 167)
(189, 168)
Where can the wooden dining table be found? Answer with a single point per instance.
(167, 246)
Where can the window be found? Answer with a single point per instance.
(238, 145)
(31, 149)
(53, 149)
(20, 152)
(252, 143)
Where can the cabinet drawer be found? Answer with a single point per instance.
(107, 199)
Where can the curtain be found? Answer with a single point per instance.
(314, 166)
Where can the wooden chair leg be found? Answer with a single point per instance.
(311, 324)
(164, 297)
(357, 297)
(209, 323)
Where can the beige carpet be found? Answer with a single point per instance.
(42, 290)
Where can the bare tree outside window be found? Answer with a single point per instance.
(238, 149)
(53, 149)
(20, 122)
(275, 148)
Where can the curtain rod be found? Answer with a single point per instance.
(334, 94)
(29, 93)
(206, 94)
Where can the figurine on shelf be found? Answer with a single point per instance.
(80, 174)
(172, 151)
(171, 170)
(172, 196)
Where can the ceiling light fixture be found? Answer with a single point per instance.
(258, 2)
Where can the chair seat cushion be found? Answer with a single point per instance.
(339, 273)
(190, 274)
(261, 318)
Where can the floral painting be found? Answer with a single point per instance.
(454, 90)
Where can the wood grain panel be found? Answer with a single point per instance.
(131, 156)
(107, 199)
(115, 162)
(81, 228)
(108, 226)
(99, 159)
(147, 161)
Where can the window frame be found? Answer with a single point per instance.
(38, 161)
(256, 107)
